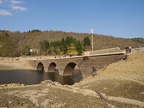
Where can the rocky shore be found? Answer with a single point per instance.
(47, 95)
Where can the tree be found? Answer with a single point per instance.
(63, 46)
(44, 45)
(86, 41)
(78, 47)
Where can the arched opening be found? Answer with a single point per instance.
(52, 71)
(68, 71)
(52, 67)
(40, 67)
(73, 71)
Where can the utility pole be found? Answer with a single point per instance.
(92, 38)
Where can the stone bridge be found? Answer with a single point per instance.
(80, 64)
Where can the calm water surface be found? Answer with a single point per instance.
(29, 77)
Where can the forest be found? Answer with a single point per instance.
(37, 42)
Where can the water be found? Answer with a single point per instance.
(30, 77)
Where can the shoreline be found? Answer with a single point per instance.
(4, 67)
(14, 64)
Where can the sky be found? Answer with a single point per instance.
(118, 18)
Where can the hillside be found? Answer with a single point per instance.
(32, 39)
(100, 41)
(122, 81)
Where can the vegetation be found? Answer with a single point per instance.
(58, 42)
(139, 40)
(44, 45)
(26, 50)
(66, 46)
(7, 46)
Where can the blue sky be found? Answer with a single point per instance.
(118, 18)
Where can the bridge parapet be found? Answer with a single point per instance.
(103, 51)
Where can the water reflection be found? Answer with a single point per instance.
(35, 77)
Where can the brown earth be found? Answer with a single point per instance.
(121, 83)
(14, 63)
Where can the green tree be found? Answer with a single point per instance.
(63, 46)
(78, 47)
(44, 45)
(86, 41)
(68, 45)
(36, 30)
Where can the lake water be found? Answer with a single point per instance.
(30, 77)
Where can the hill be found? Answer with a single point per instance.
(32, 39)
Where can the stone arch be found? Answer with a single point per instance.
(40, 66)
(69, 69)
(51, 67)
